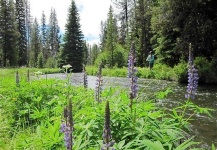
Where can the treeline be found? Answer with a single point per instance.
(33, 42)
(163, 26)
(24, 41)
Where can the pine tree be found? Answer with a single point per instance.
(102, 35)
(73, 45)
(35, 44)
(43, 33)
(21, 19)
(126, 12)
(53, 37)
(8, 33)
(111, 36)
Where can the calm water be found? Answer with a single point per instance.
(203, 127)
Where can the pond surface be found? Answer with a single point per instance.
(203, 127)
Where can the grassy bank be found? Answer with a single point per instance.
(31, 114)
(161, 72)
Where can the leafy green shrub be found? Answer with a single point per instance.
(181, 71)
(205, 70)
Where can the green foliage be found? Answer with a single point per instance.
(72, 52)
(8, 34)
(40, 61)
(182, 72)
(35, 109)
(22, 41)
(51, 63)
(206, 70)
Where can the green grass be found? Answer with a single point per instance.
(31, 114)
(161, 72)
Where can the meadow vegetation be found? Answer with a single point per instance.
(31, 114)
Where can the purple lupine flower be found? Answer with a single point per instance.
(99, 83)
(85, 77)
(67, 126)
(192, 77)
(107, 138)
(192, 82)
(132, 72)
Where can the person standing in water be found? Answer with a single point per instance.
(150, 59)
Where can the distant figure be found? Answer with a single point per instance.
(150, 59)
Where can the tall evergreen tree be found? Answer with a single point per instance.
(21, 19)
(45, 47)
(102, 35)
(53, 31)
(73, 45)
(111, 36)
(8, 33)
(125, 8)
(35, 44)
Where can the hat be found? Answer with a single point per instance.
(150, 52)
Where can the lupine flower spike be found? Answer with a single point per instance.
(192, 77)
(107, 138)
(85, 77)
(17, 79)
(99, 83)
(67, 126)
(132, 73)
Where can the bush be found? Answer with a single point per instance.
(205, 70)
(181, 71)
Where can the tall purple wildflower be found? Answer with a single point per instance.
(132, 72)
(85, 77)
(107, 138)
(192, 77)
(99, 82)
(67, 126)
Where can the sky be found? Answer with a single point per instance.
(91, 13)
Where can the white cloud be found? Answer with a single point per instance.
(91, 13)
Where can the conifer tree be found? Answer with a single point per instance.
(53, 37)
(73, 45)
(8, 33)
(35, 44)
(44, 36)
(21, 19)
(111, 36)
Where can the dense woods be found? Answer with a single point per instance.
(165, 27)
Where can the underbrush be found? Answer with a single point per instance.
(31, 114)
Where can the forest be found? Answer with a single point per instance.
(166, 27)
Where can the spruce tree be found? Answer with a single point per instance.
(73, 45)
(35, 44)
(8, 33)
(53, 37)
(111, 36)
(44, 36)
(21, 19)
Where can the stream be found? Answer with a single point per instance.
(203, 127)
